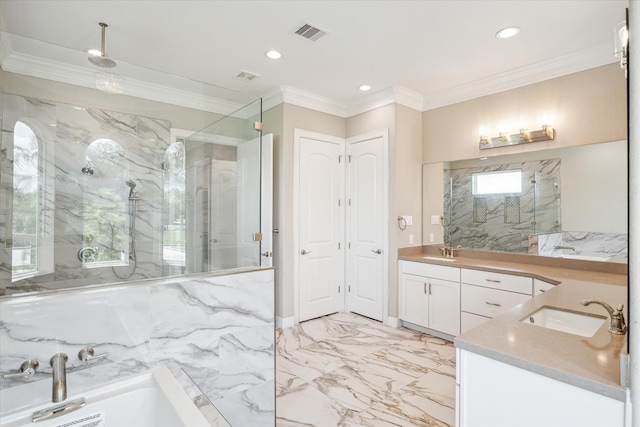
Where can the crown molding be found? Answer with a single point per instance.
(36, 66)
(523, 76)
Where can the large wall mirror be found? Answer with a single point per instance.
(566, 202)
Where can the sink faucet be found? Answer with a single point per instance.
(59, 364)
(618, 325)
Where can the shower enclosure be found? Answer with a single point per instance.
(92, 196)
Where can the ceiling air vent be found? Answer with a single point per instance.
(310, 32)
(247, 76)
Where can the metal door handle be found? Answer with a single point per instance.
(303, 252)
(266, 254)
(378, 251)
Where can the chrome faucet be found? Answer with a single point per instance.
(59, 365)
(618, 325)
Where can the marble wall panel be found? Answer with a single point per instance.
(218, 328)
(68, 131)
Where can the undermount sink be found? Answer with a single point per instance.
(583, 324)
(439, 258)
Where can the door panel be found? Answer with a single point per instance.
(366, 225)
(320, 259)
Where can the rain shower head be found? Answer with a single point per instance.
(102, 60)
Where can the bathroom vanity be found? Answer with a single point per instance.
(538, 370)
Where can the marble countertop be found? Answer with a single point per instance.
(589, 363)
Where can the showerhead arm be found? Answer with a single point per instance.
(102, 60)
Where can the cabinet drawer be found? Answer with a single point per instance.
(469, 321)
(430, 270)
(540, 287)
(489, 302)
(505, 282)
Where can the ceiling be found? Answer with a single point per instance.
(439, 52)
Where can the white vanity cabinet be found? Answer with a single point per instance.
(540, 287)
(525, 399)
(429, 296)
(485, 295)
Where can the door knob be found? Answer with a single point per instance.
(303, 252)
(378, 251)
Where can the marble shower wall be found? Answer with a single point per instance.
(218, 329)
(502, 222)
(66, 131)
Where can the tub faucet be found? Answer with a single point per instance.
(618, 325)
(59, 365)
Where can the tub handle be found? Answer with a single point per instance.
(27, 370)
(87, 355)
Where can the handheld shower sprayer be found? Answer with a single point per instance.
(132, 192)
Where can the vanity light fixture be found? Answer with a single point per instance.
(621, 43)
(546, 133)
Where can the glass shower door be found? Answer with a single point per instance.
(223, 192)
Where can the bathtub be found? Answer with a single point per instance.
(150, 399)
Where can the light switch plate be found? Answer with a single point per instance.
(435, 219)
(408, 219)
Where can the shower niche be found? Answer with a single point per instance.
(91, 196)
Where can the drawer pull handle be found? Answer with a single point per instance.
(493, 280)
(425, 288)
(493, 303)
(542, 290)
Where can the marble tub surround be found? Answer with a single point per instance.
(347, 370)
(592, 363)
(217, 328)
(549, 269)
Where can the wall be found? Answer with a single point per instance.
(584, 108)
(68, 133)
(217, 328)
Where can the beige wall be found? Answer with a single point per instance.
(432, 202)
(584, 108)
(180, 117)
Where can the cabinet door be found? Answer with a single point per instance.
(444, 306)
(413, 300)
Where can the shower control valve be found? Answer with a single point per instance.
(87, 355)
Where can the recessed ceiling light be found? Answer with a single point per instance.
(364, 88)
(508, 32)
(273, 54)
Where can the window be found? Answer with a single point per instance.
(497, 182)
(174, 233)
(32, 250)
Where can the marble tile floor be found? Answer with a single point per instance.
(348, 370)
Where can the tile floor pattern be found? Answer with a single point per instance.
(347, 370)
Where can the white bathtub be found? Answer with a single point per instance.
(150, 399)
